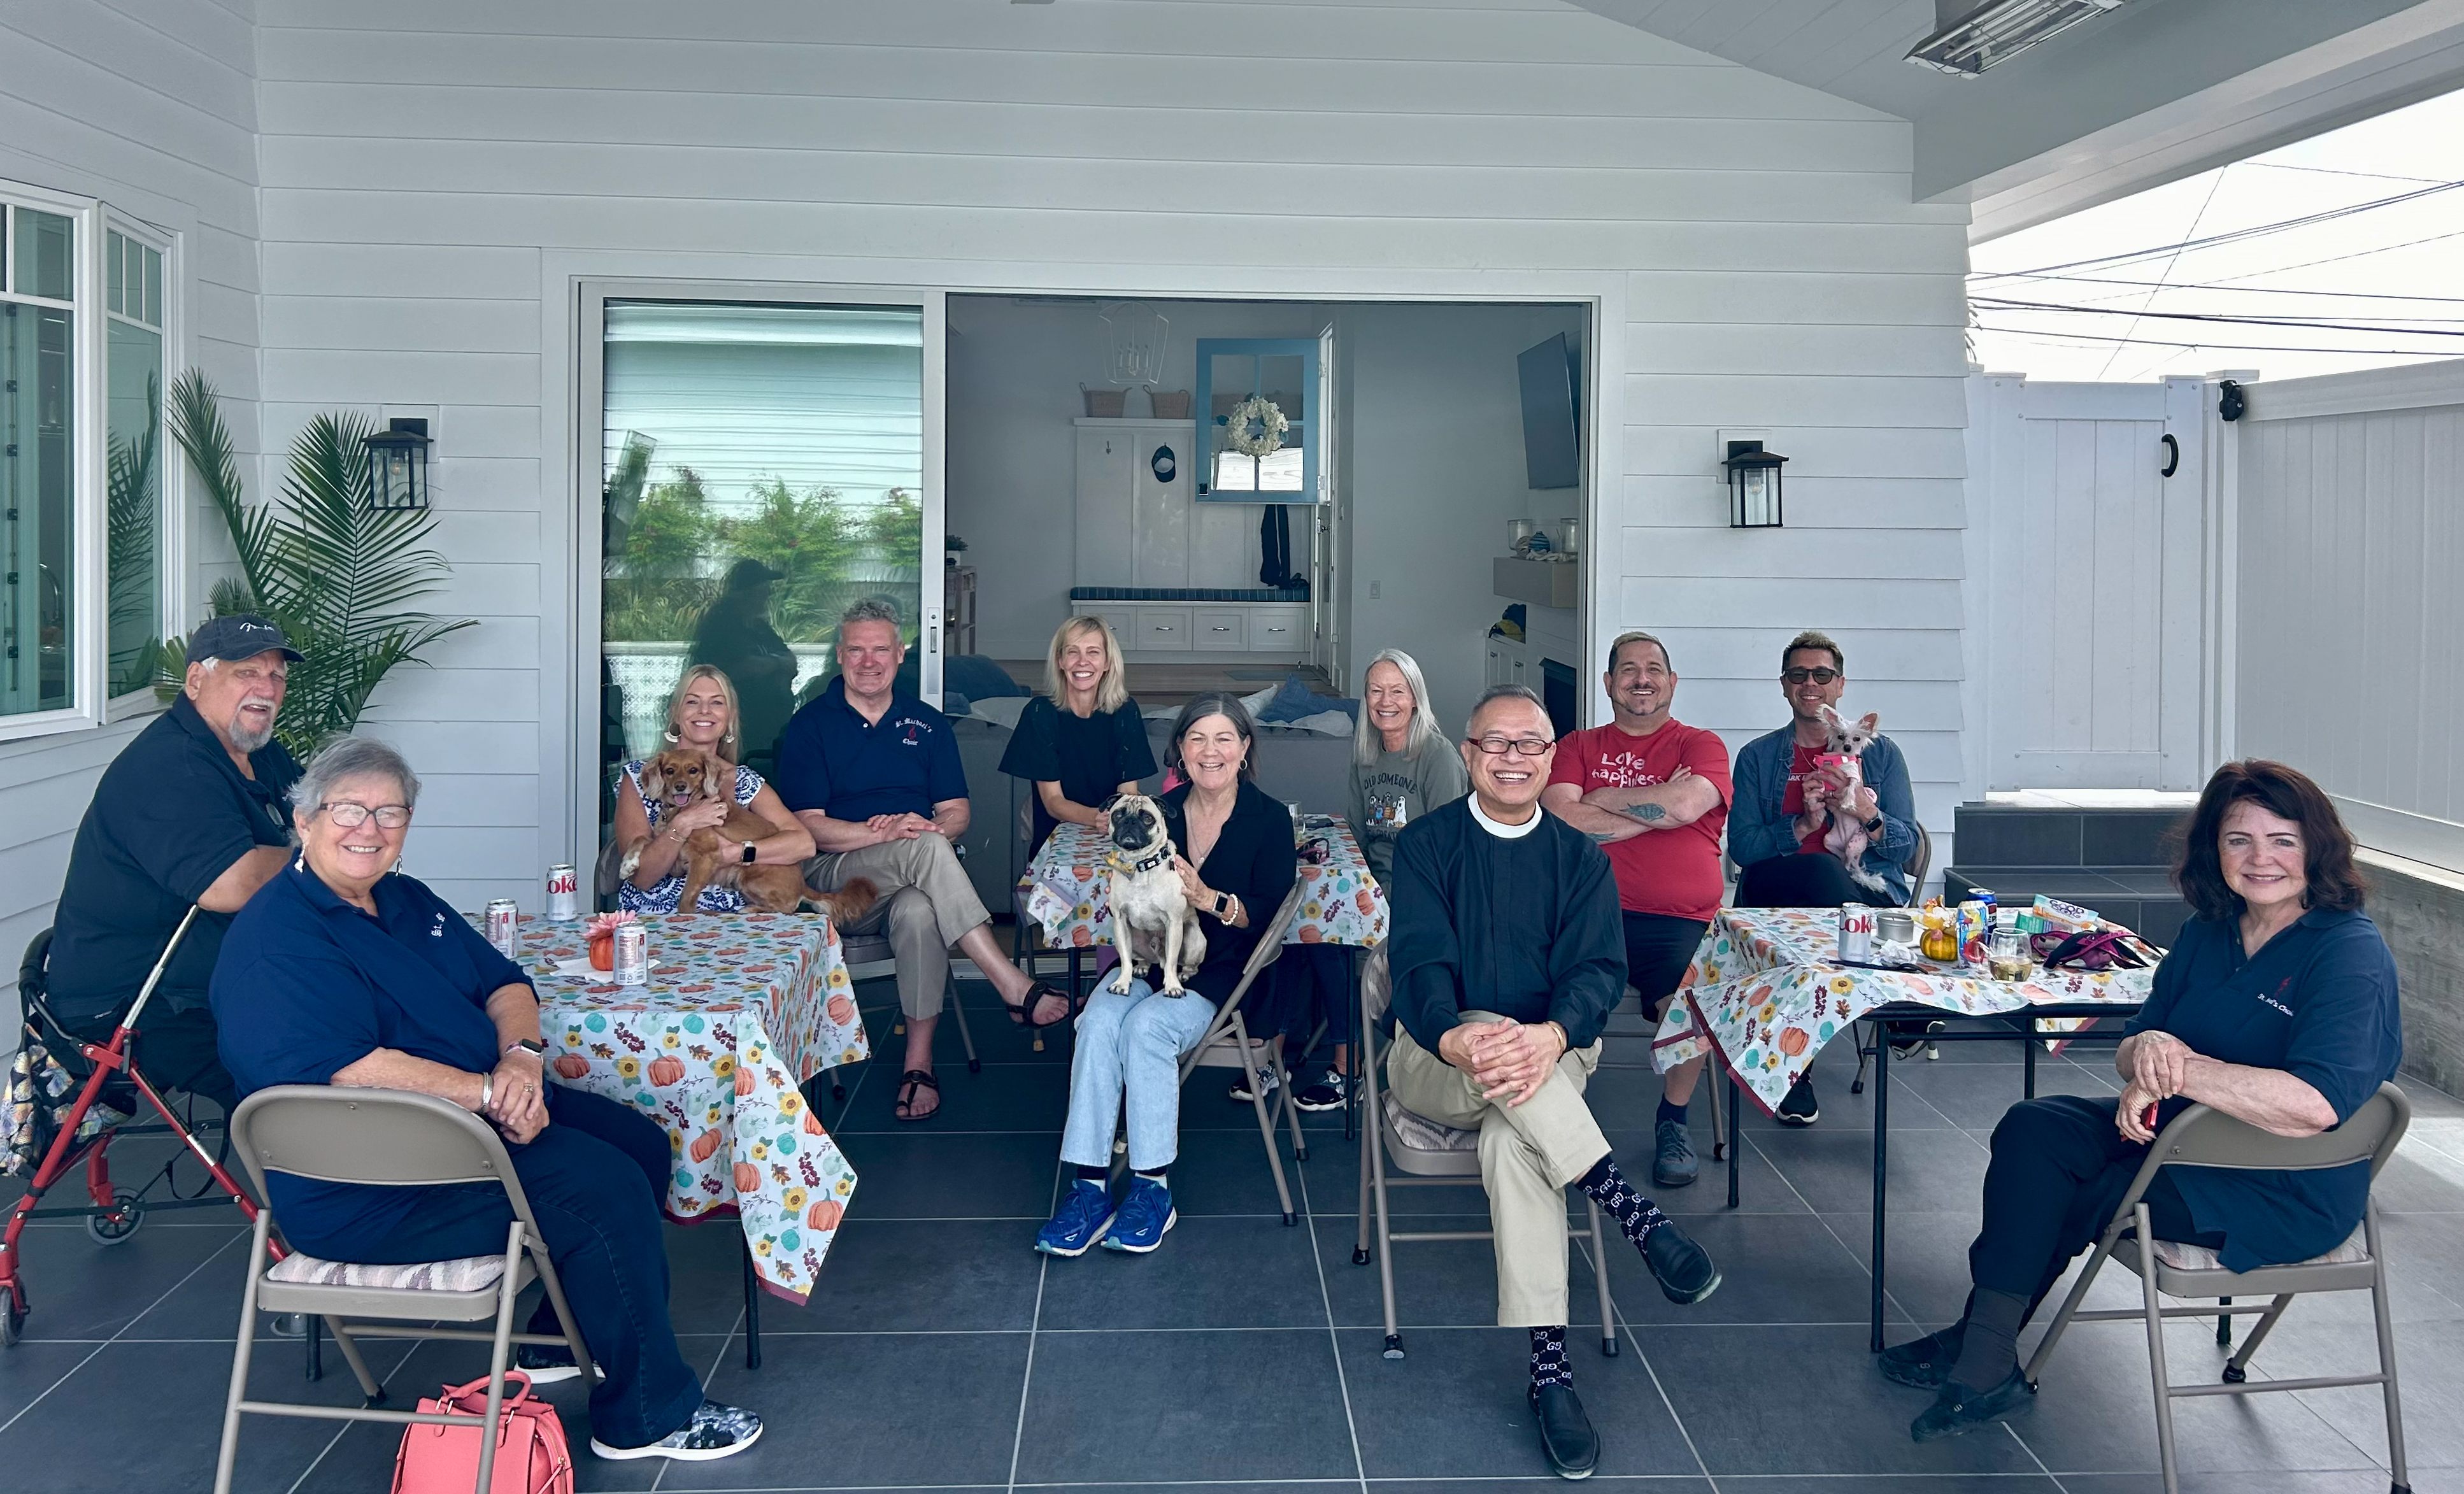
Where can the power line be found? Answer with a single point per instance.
(2026, 332)
(2233, 236)
(2250, 290)
(2337, 259)
(1999, 305)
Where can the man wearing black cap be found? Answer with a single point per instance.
(736, 636)
(194, 812)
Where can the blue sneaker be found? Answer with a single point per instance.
(1085, 1214)
(1145, 1218)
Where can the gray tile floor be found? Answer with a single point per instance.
(941, 1352)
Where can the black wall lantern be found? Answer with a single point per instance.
(1753, 486)
(398, 466)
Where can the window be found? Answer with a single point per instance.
(87, 550)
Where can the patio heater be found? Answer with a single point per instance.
(1753, 486)
(1971, 36)
(398, 465)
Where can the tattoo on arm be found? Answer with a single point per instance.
(1647, 811)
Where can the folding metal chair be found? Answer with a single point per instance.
(869, 957)
(1628, 1018)
(1917, 870)
(392, 1139)
(1227, 1044)
(2203, 1138)
(1436, 1156)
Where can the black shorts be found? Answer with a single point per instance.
(1658, 949)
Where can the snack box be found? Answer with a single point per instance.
(2067, 916)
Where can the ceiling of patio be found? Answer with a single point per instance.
(2157, 90)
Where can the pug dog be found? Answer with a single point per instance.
(1153, 923)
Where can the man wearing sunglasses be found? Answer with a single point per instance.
(1654, 792)
(1781, 786)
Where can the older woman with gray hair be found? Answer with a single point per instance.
(343, 971)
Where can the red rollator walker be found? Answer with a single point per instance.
(82, 1130)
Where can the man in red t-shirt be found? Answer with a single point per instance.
(1655, 793)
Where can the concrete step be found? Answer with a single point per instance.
(2007, 835)
(2141, 900)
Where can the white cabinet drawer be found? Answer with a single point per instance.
(1278, 628)
(1159, 627)
(1219, 628)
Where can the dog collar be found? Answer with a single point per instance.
(1151, 863)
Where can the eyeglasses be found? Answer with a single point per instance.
(1499, 746)
(1800, 676)
(350, 817)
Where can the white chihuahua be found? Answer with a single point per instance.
(1844, 836)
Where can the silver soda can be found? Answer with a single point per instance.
(562, 889)
(505, 928)
(1855, 932)
(632, 954)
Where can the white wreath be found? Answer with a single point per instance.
(1271, 425)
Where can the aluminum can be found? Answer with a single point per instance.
(1975, 930)
(1855, 932)
(562, 889)
(505, 928)
(632, 954)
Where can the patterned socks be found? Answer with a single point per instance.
(1635, 1214)
(1549, 1365)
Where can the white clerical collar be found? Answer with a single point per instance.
(1499, 828)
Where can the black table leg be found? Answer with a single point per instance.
(2028, 1058)
(752, 1309)
(1882, 1165)
(1736, 1142)
(1352, 1051)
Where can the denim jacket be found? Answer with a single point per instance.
(1759, 828)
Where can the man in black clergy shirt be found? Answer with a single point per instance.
(1507, 956)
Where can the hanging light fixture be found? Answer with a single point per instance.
(398, 465)
(1971, 37)
(1753, 486)
(1136, 333)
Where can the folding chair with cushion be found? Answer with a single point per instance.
(1436, 1156)
(2203, 1138)
(1227, 1044)
(393, 1139)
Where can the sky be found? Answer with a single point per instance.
(2348, 289)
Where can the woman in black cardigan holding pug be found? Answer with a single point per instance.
(1233, 851)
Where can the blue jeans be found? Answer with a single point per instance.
(595, 1178)
(1130, 1047)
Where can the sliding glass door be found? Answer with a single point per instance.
(763, 466)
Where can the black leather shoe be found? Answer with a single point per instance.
(1925, 1362)
(1565, 1433)
(1960, 1410)
(1683, 1269)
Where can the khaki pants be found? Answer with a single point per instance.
(927, 904)
(1528, 1156)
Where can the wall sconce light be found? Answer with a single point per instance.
(398, 465)
(1753, 486)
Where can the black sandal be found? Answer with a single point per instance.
(1022, 1010)
(909, 1083)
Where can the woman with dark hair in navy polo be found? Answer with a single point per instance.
(343, 970)
(2277, 1006)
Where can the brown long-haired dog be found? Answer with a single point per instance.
(713, 856)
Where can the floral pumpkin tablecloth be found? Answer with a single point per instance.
(1068, 890)
(739, 1010)
(1765, 988)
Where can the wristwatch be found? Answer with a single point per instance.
(748, 853)
(1222, 901)
(1874, 827)
(530, 1045)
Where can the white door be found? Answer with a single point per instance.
(2085, 584)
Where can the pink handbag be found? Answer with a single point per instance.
(531, 1454)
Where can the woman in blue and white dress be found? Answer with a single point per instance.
(702, 714)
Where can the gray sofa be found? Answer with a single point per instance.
(1309, 768)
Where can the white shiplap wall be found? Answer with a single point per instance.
(2349, 546)
(149, 105)
(436, 170)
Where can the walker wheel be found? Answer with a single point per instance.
(12, 1322)
(125, 1216)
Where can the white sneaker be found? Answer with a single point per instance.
(714, 1432)
(1267, 1082)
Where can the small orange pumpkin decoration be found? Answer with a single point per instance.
(666, 1069)
(813, 1125)
(572, 1065)
(748, 1177)
(743, 1080)
(1365, 900)
(823, 1216)
(842, 1010)
(704, 1145)
(603, 952)
(1311, 933)
(1792, 1040)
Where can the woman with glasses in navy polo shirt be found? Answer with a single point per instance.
(2277, 1006)
(343, 970)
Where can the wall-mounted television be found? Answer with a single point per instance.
(1551, 413)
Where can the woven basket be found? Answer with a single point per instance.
(1170, 403)
(1103, 403)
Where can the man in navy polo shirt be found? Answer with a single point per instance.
(194, 812)
(875, 776)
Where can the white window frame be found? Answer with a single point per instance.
(170, 462)
(90, 611)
